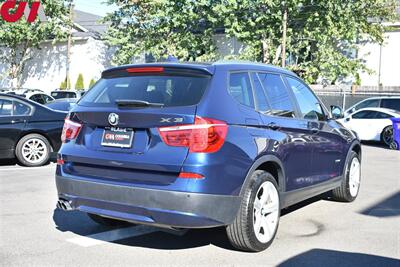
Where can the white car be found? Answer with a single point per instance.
(390, 102)
(35, 95)
(372, 124)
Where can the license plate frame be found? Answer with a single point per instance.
(117, 137)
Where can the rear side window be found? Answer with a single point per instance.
(5, 107)
(38, 98)
(277, 95)
(261, 98)
(391, 104)
(170, 91)
(381, 115)
(240, 88)
(21, 109)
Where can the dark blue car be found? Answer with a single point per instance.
(197, 146)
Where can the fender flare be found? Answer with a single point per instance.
(258, 163)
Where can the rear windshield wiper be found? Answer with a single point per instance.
(137, 103)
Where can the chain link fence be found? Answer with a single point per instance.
(347, 96)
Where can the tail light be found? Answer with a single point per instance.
(70, 131)
(204, 136)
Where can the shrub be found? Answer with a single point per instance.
(92, 82)
(79, 82)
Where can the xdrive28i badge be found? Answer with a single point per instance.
(113, 119)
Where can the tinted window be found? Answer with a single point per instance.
(391, 104)
(46, 99)
(21, 109)
(240, 88)
(5, 107)
(37, 99)
(58, 95)
(277, 95)
(381, 115)
(310, 106)
(167, 90)
(365, 114)
(261, 99)
(373, 103)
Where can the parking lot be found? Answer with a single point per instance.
(318, 232)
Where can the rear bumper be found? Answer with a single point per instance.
(149, 206)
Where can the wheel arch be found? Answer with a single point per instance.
(271, 164)
(356, 147)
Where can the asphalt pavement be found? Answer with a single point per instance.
(317, 232)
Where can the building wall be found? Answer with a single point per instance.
(390, 61)
(47, 69)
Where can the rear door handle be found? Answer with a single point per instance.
(17, 121)
(314, 130)
(273, 126)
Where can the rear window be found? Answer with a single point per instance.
(171, 91)
(58, 95)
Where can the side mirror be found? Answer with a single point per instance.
(336, 112)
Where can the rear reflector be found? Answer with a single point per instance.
(71, 130)
(60, 162)
(204, 136)
(145, 70)
(189, 175)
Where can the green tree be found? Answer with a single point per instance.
(66, 84)
(181, 28)
(80, 85)
(19, 40)
(321, 35)
(92, 82)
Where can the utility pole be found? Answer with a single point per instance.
(284, 29)
(71, 17)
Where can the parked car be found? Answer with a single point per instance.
(390, 102)
(28, 131)
(58, 94)
(196, 146)
(372, 124)
(35, 95)
(62, 104)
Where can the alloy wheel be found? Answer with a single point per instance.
(354, 177)
(34, 151)
(266, 212)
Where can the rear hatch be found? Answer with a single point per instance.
(121, 116)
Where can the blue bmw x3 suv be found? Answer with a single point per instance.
(203, 145)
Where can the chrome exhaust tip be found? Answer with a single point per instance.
(64, 204)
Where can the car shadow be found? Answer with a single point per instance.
(15, 162)
(8, 162)
(389, 207)
(375, 144)
(79, 223)
(334, 258)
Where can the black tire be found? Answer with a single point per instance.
(106, 221)
(342, 193)
(387, 136)
(23, 141)
(241, 232)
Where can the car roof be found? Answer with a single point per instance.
(209, 67)
(381, 97)
(385, 110)
(63, 91)
(21, 98)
